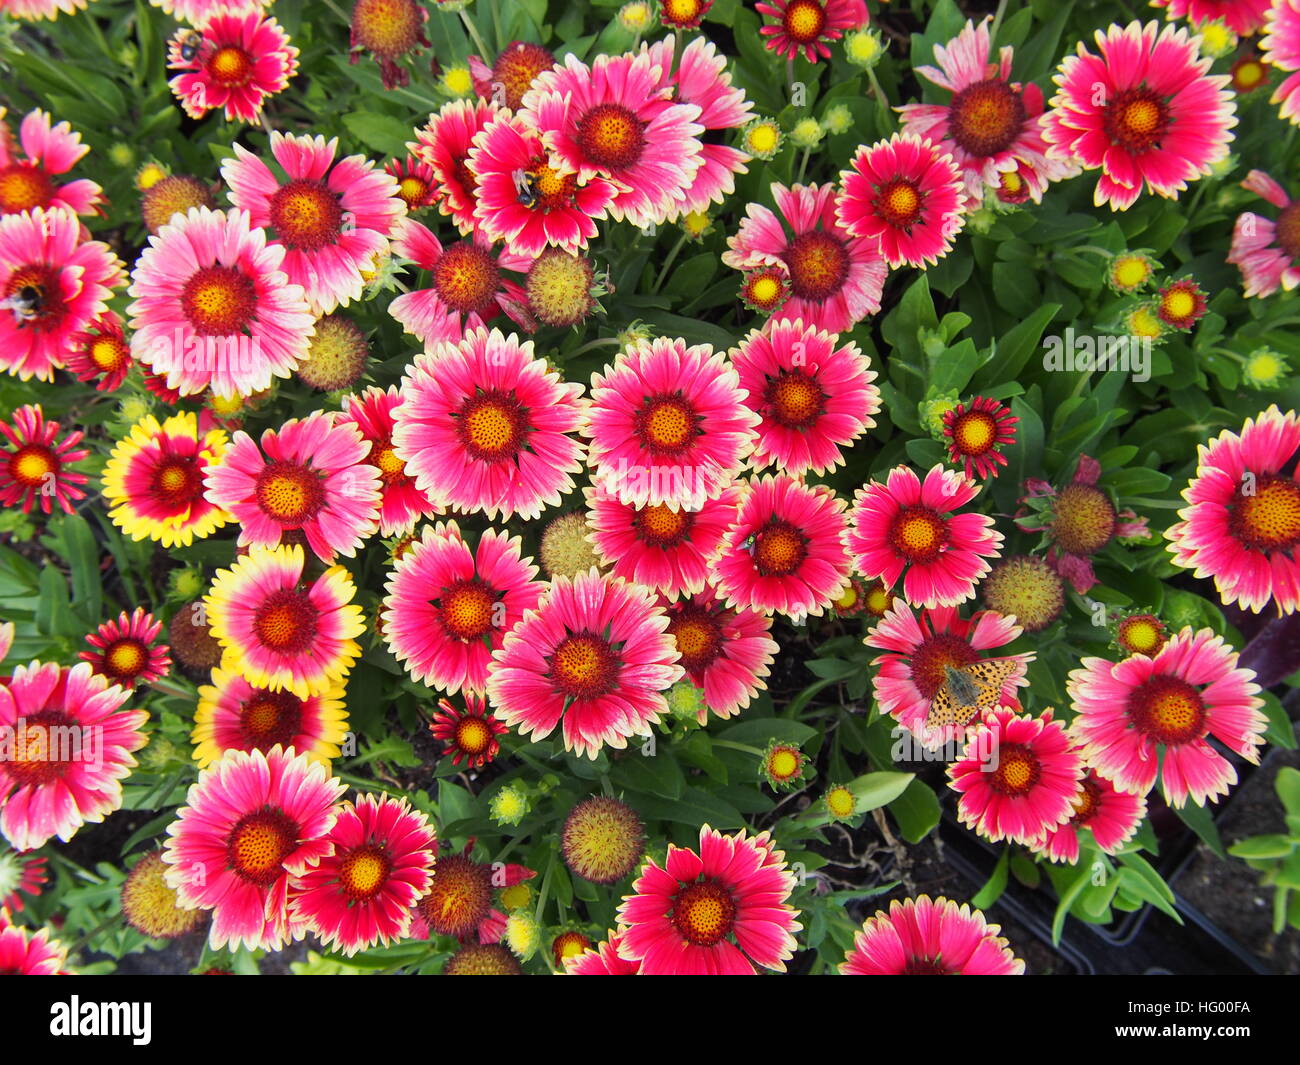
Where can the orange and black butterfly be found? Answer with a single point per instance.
(967, 691)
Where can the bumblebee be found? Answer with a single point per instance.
(526, 188)
(26, 303)
(190, 43)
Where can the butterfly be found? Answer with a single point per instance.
(967, 691)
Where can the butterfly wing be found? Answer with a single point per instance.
(945, 710)
(987, 677)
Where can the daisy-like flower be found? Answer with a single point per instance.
(526, 197)
(1242, 522)
(35, 10)
(448, 608)
(806, 25)
(388, 30)
(907, 524)
(666, 549)
(233, 63)
(604, 958)
(402, 504)
(925, 937)
(1267, 250)
(198, 12)
(723, 911)
(30, 954)
(919, 650)
(1242, 17)
(1281, 47)
(333, 218)
(1079, 520)
(785, 554)
(1181, 304)
(364, 893)
(234, 715)
(726, 651)
(47, 151)
(251, 823)
(1148, 715)
(1145, 110)
(683, 14)
(34, 463)
(1017, 776)
(485, 425)
(1248, 73)
(444, 143)
(835, 279)
(125, 652)
(153, 481)
(512, 74)
(70, 747)
(813, 397)
(214, 308)
(1130, 271)
(594, 659)
(100, 354)
(668, 424)
(1112, 816)
(976, 435)
(467, 286)
(991, 126)
(701, 78)
(416, 184)
(279, 633)
(1140, 634)
(311, 476)
(20, 874)
(765, 289)
(53, 286)
(469, 735)
(907, 194)
(617, 120)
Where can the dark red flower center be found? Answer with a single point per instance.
(899, 203)
(1136, 119)
(704, 913)
(290, 493)
(804, 20)
(286, 621)
(467, 609)
(219, 300)
(24, 187)
(1168, 710)
(176, 482)
(1287, 229)
(1017, 772)
(492, 426)
(473, 735)
(986, 118)
(918, 533)
(34, 296)
(929, 663)
(779, 548)
(1268, 519)
(659, 525)
(267, 718)
(794, 399)
(306, 215)
(583, 666)
(125, 659)
(45, 745)
(698, 634)
(818, 263)
(259, 844)
(611, 136)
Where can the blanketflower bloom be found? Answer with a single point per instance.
(310, 476)
(53, 286)
(448, 607)
(1155, 714)
(153, 481)
(1112, 816)
(804, 26)
(50, 785)
(100, 354)
(214, 308)
(602, 959)
(237, 61)
(444, 143)
(976, 435)
(280, 633)
(252, 823)
(1145, 110)
(332, 217)
(469, 735)
(401, 504)
(23, 953)
(925, 937)
(388, 30)
(814, 398)
(34, 463)
(1242, 17)
(1267, 250)
(668, 424)
(512, 74)
(1017, 776)
(593, 659)
(907, 524)
(486, 425)
(1281, 47)
(44, 152)
(835, 279)
(723, 911)
(124, 650)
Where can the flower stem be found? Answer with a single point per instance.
(474, 35)
(668, 263)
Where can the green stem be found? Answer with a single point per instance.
(338, 11)
(876, 87)
(668, 263)
(739, 747)
(474, 34)
(601, 342)
(496, 27)
(803, 165)
(997, 21)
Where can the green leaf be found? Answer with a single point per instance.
(1200, 821)
(995, 885)
(916, 811)
(1260, 847)
(1288, 788)
(874, 790)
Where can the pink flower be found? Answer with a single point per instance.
(52, 287)
(47, 151)
(1017, 776)
(402, 504)
(835, 279)
(448, 608)
(444, 143)
(1281, 47)
(907, 194)
(333, 218)
(71, 746)
(35, 462)
(485, 425)
(1112, 816)
(924, 937)
(1242, 522)
(1243, 17)
(668, 424)
(251, 823)
(814, 398)
(364, 892)
(977, 433)
(1267, 251)
(100, 354)
(785, 554)
(310, 475)
(602, 960)
(907, 524)
(1145, 110)
(594, 658)
(721, 912)
(1154, 714)
(239, 60)
(124, 652)
(806, 25)
(26, 954)
(213, 307)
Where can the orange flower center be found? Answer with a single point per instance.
(1136, 119)
(930, 662)
(611, 136)
(125, 659)
(286, 621)
(413, 191)
(33, 465)
(583, 666)
(306, 214)
(466, 278)
(986, 118)
(109, 353)
(795, 398)
(704, 914)
(231, 66)
(1017, 772)
(682, 14)
(779, 549)
(1268, 519)
(667, 425)
(661, 526)
(819, 265)
(698, 636)
(467, 609)
(517, 67)
(1288, 230)
(1168, 710)
(804, 20)
(493, 426)
(388, 28)
(24, 187)
(364, 871)
(974, 432)
(290, 492)
(219, 300)
(473, 735)
(1087, 801)
(259, 844)
(899, 203)
(918, 533)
